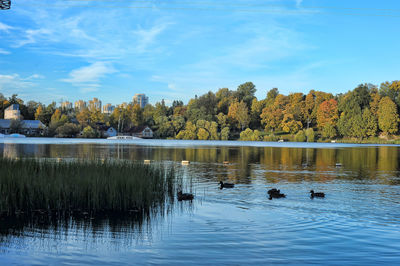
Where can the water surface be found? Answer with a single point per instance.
(357, 223)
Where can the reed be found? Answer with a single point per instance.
(88, 187)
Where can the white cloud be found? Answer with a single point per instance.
(89, 74)
(147, 37)
(299, 2)
(88, 77)
(5, 28)
(32, 36)
(35, 76)
(13, 83)
(2, 51)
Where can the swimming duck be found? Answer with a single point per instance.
(274, 191)
(275, 194)
(184, 196)
(226, 185)
(317, 194)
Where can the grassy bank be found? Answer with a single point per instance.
(28, 186)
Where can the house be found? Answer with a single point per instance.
(141, 132)
(26, 127)
(12, 112)
(105, 130)
(110, 132)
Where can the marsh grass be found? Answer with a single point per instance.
(83, 187)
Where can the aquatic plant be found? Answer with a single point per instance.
(92, 187)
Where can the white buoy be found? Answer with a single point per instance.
(185, 162)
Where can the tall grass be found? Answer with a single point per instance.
(83, 186)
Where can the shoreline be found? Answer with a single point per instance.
(190, 143)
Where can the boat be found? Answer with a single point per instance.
(123, 138)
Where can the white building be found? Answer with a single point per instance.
(108, 108)
(95, 104)
(12, 112)
(79, 105)
(66, 105)
(140, 99)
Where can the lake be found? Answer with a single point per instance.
(358, 222)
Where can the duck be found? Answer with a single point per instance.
(317, 194)
(185, 196)
(226, 185)
(275, 194)
(274, 191)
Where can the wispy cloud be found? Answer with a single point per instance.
(14, 83)
(88, 77)
(299, 2)
(2, 51)
(5, 27)
(146, 37)
(32, 36)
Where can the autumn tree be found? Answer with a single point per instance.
(327, 113)
(391, 90)
(308, 108)
(272, 115)
(289, 124)
(239, 113)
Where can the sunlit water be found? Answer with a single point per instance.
(357, 223)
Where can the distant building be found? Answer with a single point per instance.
(141, 132)
(122, 105)
(66, 105)
(28, 127)
(95, 104)
(79, 105)
(140, 99)
(108, 108)
(12, 112)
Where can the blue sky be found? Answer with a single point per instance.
(175, 49)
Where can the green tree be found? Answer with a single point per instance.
(245, 92)
(69, 130)
(310, 134)
(225, 133)
(202, 134)
(190, 132)
(388, 117)
(300, 136)
(250, 135)
(391, 90)
(329, 132)
(89, 132)
(178, 122)
(370, 123)
(271, 95)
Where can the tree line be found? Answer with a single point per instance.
(367, 111)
